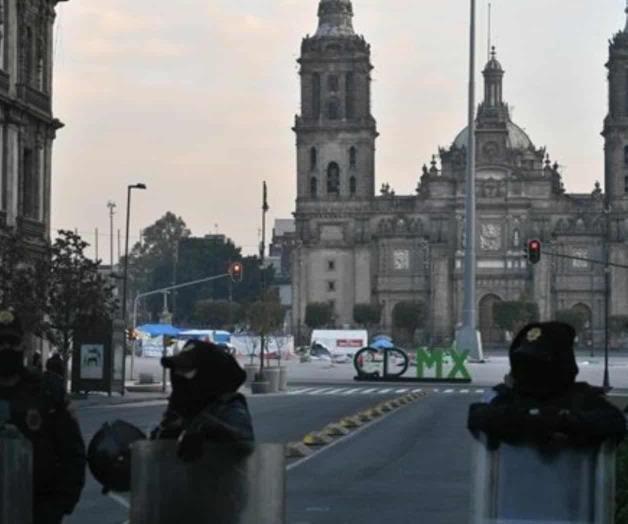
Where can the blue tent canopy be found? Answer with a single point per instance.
(156, 330)
(382, 343)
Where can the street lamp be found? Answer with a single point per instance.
(126, 270)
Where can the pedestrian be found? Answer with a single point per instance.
(540, 402)
(204, 404)
(36, 360)
(40, 409)
(55, 364)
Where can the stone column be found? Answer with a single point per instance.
(12, 172)
(618, 254)
(541, 287)
(47, 170)
(441, 289)
(11, 41)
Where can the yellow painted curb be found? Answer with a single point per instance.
(335, 430)
(351, 422)
(297, 450)
(316, 439)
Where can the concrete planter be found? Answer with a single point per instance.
(272, 376)
(250, 370)
(283, 378)
(261, 387)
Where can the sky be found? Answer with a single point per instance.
(196, 99)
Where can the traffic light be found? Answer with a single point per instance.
(131, 334)
(235, 271)
(534, 251)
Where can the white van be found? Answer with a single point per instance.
(341, 343)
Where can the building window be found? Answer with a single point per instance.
(626, 155)
(333, 178)
(353, 157)
(516, 239)
(313, 158)
(316, 95)
(352, 185)
(331, 265)
(30, 185)
(332, 83)
(331, 286)
(29, 56)
(349, 95)
(313, 187)
(333, 112)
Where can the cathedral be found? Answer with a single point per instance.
(359, 246)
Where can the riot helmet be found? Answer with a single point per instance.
(109, 454)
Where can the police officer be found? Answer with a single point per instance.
(39, 408)
(540, 400)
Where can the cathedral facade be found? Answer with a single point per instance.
(357, 246)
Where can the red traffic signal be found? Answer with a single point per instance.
(534, 251)
(235, 271)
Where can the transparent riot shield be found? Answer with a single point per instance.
(16, 477)
(524, 485)
(225, 487)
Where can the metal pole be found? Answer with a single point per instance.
(125, 278)
(96, 244)
(262, 274)
(607, 278)
(135, 301)
(467, 338)
(111, 205)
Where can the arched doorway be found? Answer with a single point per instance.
(491, 334)
(585, 337)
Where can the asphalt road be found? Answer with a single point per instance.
(281, 418)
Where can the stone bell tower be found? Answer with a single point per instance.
(335, 131)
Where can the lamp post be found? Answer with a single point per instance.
(467, 337)
(607, 278)
(112, 206)
(126, 270)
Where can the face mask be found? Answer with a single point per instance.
(11, 362)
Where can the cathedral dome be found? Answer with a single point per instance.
(517, 138)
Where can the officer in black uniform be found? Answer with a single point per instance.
(541, 402)
(39, 408)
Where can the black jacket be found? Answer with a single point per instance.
(224, 419)
(578, 416)
(39, 407)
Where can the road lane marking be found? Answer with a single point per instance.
(351, 391)
(318, 391)
(299, 391)
(334, 391)
(464, 391)
(479, 391)
(385, 391)
(402, 390)
(448, 391)
(417, 390)
(367, 391)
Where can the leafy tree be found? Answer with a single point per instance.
(217, 314)
(576, 319)
(318, 314)
(23, 280)
(367, 315)
(408, 317)
(513, 315)
(266, 315)
(77, 294)
(152, 262)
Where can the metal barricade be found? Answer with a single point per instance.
(16, 477)
(524, 485)
(224, 487)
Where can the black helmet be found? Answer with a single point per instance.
(109, 454)
(542, 358)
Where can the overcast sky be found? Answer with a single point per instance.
(196, 98)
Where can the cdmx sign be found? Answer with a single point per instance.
(435, 358)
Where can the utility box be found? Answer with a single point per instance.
(16, 477)
(225, 486)
(524, 485)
